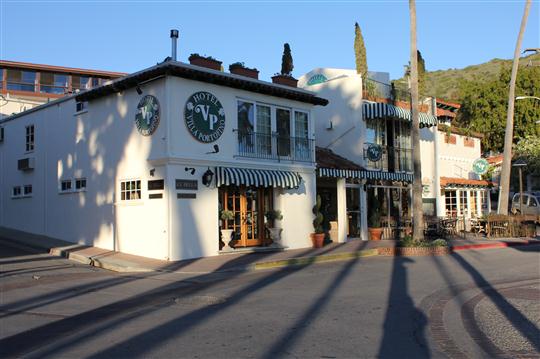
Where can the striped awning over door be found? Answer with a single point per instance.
(373, 110)
(254, 177)
(364, 174)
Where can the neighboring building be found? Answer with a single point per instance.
(451, 186)
(144, 164)
(24, 85)
(373, 134)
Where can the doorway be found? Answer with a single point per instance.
(353, 210)
(249, 204)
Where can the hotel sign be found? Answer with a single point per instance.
(480, 166)
(147, 117)
(205, 117)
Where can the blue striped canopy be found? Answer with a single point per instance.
(373, 110)
(226, 176)
(365, 174)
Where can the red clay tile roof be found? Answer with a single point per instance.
(443, 112)
(493, 160)
(457, 106)
(328, 159)
(447, 181)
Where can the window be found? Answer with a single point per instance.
(264, 129)
(53, 83)
(16, 191)
(468, 142)
(283, 127)
(29, 138)
(452, 139)
(19, 80)
(80, 106)
(246, 126)
(80, 82)
(301, 135)
(65, 186)
(451, 203)
(1, 134)
(463, 204)
(130, 190)
(474, 196)
(28, 190)
(376, 131)
(484, 201)
(80, 184)
(533, 202)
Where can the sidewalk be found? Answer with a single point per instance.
(122, 262)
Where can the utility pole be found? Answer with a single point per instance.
(418, 213)
(509, 133)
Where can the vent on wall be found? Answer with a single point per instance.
(26, 164)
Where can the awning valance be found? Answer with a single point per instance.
(450, 183)
(381, 110)
(254, 177)
(364, 174)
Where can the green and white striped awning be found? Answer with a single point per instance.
(226, 176)
(365, 174)
(373, 110)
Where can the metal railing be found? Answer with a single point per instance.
(275, 147)
(393, 159)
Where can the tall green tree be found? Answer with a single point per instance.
(360, 51)
(421, 73)
(484, 107)
(286, 61)
(528, 149)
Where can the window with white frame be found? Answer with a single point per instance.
(474, 212)
(29, 138)
(80, 184)
(16, 191)
(484, 201)
(66, 185)
(463, 204)
(267, 130)
(451, 203)
(28, 190)
(130, 190)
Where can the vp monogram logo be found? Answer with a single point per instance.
(208, 117)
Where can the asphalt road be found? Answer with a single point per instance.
(470, 304)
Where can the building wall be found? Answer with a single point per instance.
(102, 144)
(457, 159)
(10, 105)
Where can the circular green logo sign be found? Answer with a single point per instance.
(147, 117)
(480, 166)
(205, 117)
(374, 152)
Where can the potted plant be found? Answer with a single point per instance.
(285, 77)
(374, 220)
(318, 237)
(275, 233)
(226, 234)
(208, 61)
(238, 68)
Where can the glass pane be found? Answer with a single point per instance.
(283, 125)
(246, 122)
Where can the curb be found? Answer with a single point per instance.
(494, 245)
(304, 261)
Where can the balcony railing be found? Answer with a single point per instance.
(393, 159)
(275, 147)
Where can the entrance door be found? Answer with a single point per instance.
(353, 211)
(248, 205)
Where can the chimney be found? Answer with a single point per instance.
(174, 36)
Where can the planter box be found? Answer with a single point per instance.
(414, 251)
(205, 62)
(285, 80)
(244, 71)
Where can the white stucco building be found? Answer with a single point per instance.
(145, 163)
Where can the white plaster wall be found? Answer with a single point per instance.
(10, 105)
(427, 157)
(456, 160)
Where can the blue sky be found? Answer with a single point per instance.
(128, 36)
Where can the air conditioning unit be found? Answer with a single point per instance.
(26, 164)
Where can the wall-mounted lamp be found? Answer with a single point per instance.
(138, 89)
(207, 177)
(190, 169)
(216, 150)
(152, 171)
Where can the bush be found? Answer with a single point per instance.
(439, 243)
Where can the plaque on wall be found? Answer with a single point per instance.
(154, 185)
(155, 195)
(186, 195)
(187, 184)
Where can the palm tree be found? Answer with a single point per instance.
(418, 213)
(508, 136)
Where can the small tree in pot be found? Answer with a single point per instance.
(374, 219)
(318, 237)
(275, 233)
(226, 234)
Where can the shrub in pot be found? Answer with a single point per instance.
(318, 237)
(226, 234)
(275, 233)
(374, 220)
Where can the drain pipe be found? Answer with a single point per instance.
(174, 37)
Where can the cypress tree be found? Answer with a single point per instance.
(286, 61)
(421, 74)
(360, 51)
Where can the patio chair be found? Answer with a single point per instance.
(498, 226)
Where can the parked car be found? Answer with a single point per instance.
(531, 203)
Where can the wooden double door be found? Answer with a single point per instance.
(249, 204)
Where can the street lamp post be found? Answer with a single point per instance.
(520, 164)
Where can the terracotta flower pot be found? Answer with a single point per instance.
(285, 80)
(317, 239)
(375, 234)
